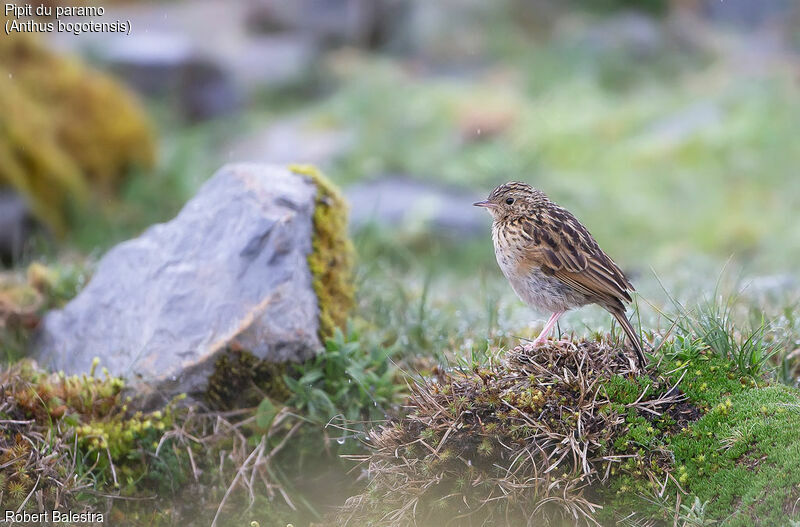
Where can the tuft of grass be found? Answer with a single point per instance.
(714, 323)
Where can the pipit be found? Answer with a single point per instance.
(551, 260)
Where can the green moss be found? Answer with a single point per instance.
(739, 459)
(332, 256)
(240, 379)
(743, 457)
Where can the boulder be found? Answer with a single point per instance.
(232, 266)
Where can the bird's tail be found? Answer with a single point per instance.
(632, 336)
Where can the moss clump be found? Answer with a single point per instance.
(742, 458)
(570, 433)
(24, 298)
(70, 433)
(76, 442)
(522, 440)
(64, 129)
(332, 255)
(241, 380)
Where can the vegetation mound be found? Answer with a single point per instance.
(539, 427)
(571, 433)
(55, 426)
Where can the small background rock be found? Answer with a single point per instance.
(232, 265)
(401, 202)
(637, 35)
(745, 13)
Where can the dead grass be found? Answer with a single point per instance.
(522, 440)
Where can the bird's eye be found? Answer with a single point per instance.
(510, 200)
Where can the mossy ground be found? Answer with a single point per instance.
(570, 433)
(74, 443)
(742, 458)
(66, 438)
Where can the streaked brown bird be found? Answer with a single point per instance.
(552, 261)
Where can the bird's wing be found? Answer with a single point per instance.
(562, 247)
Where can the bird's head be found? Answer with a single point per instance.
(513, 199)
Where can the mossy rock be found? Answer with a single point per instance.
(571, 434)
(239, 377)
(64, 129)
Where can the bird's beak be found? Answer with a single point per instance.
(485, 204)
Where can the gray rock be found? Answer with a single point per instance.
(403, 203)
(271, 61)
(446, 37)
(167, 65)
(17, 225)
(231, 265)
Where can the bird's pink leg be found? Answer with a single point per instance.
(547, 328)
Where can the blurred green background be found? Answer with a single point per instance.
(670, 128)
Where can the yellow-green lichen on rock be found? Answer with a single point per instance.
(332, 256)
(64, 129)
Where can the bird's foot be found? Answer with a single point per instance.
(539, 341)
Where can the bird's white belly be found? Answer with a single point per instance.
(537, 289)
